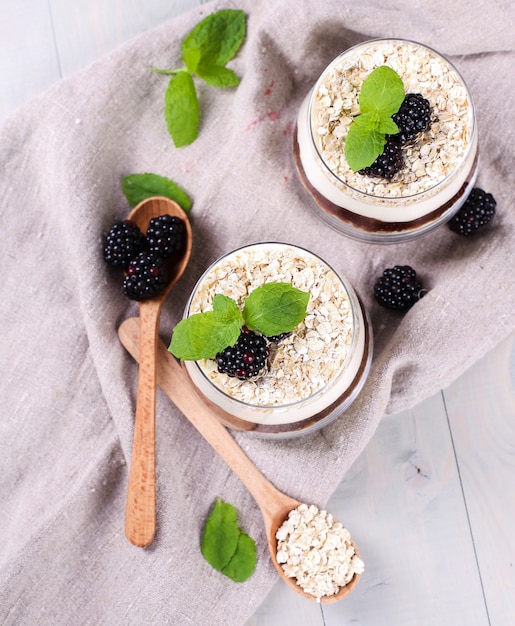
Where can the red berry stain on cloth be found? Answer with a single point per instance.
(270, 115)
(288, 130)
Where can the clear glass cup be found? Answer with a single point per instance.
(440, 165)
(272, 405)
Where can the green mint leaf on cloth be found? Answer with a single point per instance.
(275, 308)
(224, 546)
(381, 95)
(215, 40)
(182, 111)
(220, 535)
(139, 187)
(205, 50)
(217, 75)
(243, 562)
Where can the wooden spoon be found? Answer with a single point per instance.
(274, 505)
(140, 513)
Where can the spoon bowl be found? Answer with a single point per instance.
(274, 505)
(140, 510)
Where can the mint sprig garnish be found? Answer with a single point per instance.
(225, 546)
(381, 96)
(139, 187)
(202, 335)
(271, 309)
(205, 50)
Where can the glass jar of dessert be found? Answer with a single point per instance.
(432, 170)
(301, 380)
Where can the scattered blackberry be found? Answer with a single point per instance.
(246, 358)
(145, 277)
(398, 288)
(478, 210)
(389, 162)
(165, 235)
(123, 242)
(413, 117)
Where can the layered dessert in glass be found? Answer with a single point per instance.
(314, 372)
(439, 164)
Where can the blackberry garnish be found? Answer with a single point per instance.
(145, 277)
(124, 241)
(413, 117)
(165, 235)
(389, 162)
(478, 210)
(278, 338)
(398, 288)
(246, 358)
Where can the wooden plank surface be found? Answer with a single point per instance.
(481, 408)
(28, 57)
(430, 501)
(85, 30)
(411, 525)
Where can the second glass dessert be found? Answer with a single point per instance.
(440, 165)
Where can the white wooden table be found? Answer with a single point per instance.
(431, 501)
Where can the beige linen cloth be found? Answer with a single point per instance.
(68, 386)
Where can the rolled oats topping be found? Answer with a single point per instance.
(317, 551)
(303, 362)
(436, 152)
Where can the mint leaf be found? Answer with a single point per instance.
(215, 40)
(275, 308)
(381, 96)
(202, 335)
(205, 50)
(139, 187)
(364, 143)
(224, 546)
(387, 126)
(271, 309)
(382, 92)
(243, 562)
(220, 536)
(217, 76)
(182, 109)
(226, 310)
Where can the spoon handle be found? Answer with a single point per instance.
(177, 385)
(140, 513)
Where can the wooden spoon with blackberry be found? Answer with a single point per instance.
(149, 277)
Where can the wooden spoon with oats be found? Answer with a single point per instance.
(274, 505)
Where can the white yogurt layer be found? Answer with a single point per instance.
(312, 367)
(437, 164)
